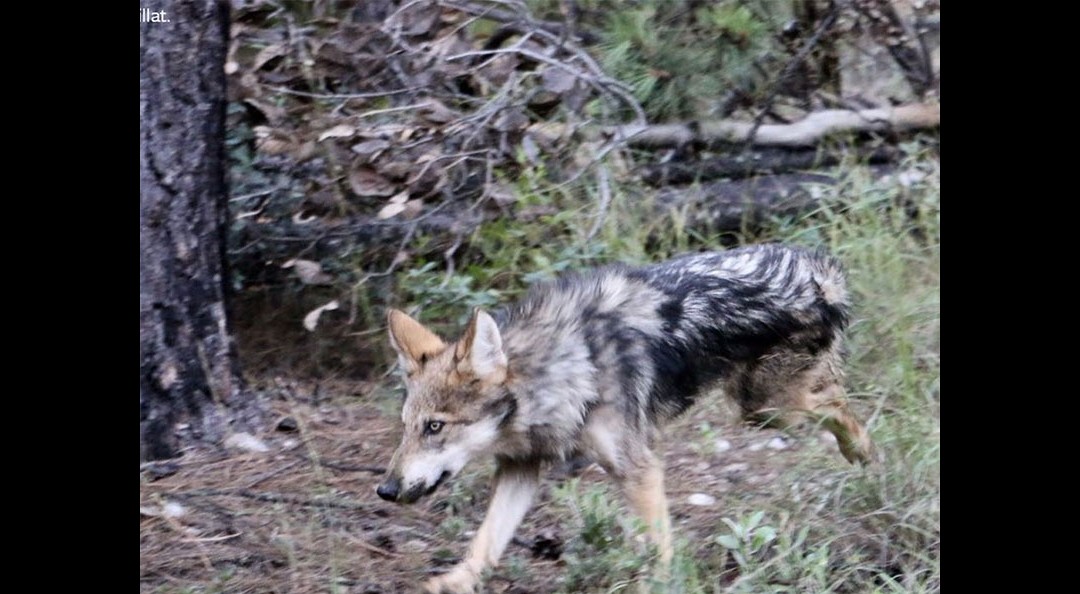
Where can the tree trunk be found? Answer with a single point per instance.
(188, 368)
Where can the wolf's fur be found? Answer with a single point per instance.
(593, 364)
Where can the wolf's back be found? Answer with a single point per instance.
(725, 309)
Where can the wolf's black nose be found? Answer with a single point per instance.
(389, 489)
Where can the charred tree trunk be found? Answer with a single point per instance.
(188, 366)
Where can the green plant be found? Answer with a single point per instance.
(748, 540)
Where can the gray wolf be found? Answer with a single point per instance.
(592, 364)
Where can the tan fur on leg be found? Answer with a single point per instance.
(515, 486)
(643, 486)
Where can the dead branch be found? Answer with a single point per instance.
(806, 132)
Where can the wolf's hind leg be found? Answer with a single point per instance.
(515, 487)
(786, 390)
(828, 407)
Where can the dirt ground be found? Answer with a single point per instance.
(304, 516)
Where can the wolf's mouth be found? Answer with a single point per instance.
(412, 495)
(442, 478)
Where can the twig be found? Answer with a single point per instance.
(179, 529)
(343, 466)
(341, 96)
(270, 474)
(605, 199)
(212, 538)
(448, 255)
(370, 547)
(269, 498)
(825, 24)
(393, 109)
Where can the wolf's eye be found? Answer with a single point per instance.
(433, 427)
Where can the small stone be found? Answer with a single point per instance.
(701, 499)
(160, 470)
(735, 468)
(413, 546)
(777, 443)
(172, 509)
(287, 424)
(246, 442)
(721, 446)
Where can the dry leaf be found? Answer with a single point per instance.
(390, 210)
(438, 113)
(419, 19)
(557, 80)
(412, 208)
(500, 193)
(309, 272)
(312, 317)
(511, 121)
(272, 113)
(365, 181)
(271, 141)
(266, 54)
(339, 131)
(530, 148)
(369, 147)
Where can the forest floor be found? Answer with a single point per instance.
(304, 517)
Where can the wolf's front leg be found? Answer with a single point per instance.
(515, 486)
(643, 484)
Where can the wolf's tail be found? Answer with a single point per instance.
(831, 281)
(830, 277)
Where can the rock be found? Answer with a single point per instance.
(777, 443)
(735, 468)
(701, 499)
(246, 442)
(287, 424)
(160, 470)
(413, 546)
(172, 509)
(547, 545)
(721, 446)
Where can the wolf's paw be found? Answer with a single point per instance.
(459, 580)
(859, 450)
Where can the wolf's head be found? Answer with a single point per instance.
(456, 402)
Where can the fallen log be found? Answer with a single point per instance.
(738, 205)
(764, 161)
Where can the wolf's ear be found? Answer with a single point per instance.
(480, 350)
(412, 341)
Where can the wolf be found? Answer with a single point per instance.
(594, 363)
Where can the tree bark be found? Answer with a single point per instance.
(188, 368)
